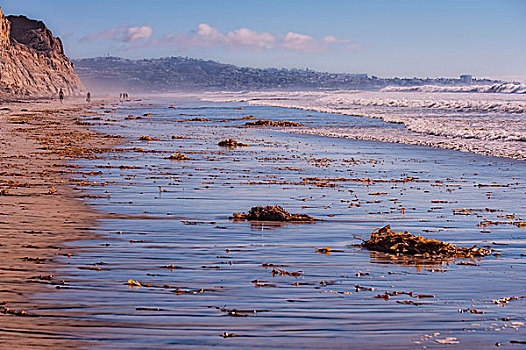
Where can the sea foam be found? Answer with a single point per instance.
(489, 124)
(498, 88)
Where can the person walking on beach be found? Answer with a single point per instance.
(88, 97)
(61, 96)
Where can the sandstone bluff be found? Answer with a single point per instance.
(32, 61)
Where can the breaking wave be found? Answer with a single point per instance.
(509, 88)
(489, 124)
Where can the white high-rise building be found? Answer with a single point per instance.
(466, 79)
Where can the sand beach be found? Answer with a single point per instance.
(166, 264)
(39, 212)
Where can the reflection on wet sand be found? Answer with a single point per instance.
(273, 225)
(192, 270)
(408, 260)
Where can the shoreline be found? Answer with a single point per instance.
(193, 272)
(39, 212)
(95, 307)
(443, 129)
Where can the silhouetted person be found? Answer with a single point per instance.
(88, 97)
(61, 95)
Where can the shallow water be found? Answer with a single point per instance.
(177, 213)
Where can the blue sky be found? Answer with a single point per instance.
(381, 37)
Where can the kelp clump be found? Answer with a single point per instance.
(272, 213)
(386, 241)
(231, 143)
(263, 122)
(178, 156)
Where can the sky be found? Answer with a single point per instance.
(386, 38)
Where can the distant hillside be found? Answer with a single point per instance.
(113, 74)
(180, 73)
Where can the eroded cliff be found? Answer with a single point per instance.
(32, 61)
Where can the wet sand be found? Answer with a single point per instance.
(165, 223)
(202, 274)
(38, 211)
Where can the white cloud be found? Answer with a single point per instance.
(137, 33)
(329, 39)
(207, 36)
(122, 34)
(244, 37)
(301, 42)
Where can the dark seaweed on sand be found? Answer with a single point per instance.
(263, 122)
(387, 241)
(272, 213)
(231, 143)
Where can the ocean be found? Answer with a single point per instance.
(482, 122)
(204, 279)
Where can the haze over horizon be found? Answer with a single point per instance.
(407, 38)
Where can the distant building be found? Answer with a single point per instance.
(466, 79)
(359, 76)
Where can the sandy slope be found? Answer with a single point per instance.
(38, 211)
